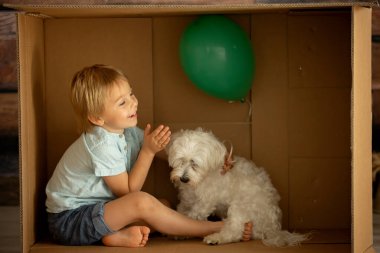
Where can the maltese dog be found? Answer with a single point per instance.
(238, 191)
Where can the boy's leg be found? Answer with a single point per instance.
(140, 206)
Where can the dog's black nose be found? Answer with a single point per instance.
(184, 179)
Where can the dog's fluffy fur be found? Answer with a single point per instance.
(244, 193)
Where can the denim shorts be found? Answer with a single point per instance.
(81, 226)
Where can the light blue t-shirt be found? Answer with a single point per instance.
(77, 179)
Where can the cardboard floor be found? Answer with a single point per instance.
(190, 246)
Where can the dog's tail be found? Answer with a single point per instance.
(283, 238)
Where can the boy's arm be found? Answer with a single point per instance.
(154, 142)
(118, 184)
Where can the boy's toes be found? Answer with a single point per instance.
(145, 235)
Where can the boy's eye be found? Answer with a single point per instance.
(122, 103)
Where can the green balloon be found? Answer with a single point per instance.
(217, 56)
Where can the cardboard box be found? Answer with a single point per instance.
(311, 108)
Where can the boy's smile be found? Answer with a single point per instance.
(120, 108)
(133, 115)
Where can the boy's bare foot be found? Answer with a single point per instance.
(133, 237)
(247, 233)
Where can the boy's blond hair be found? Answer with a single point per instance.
(89, 88)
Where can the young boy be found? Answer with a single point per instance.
(95, 191)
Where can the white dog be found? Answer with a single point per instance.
(243, 193)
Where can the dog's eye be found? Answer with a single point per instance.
(177, 163)
(193, 164)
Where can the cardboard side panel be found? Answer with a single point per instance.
(122, 43)
(361, 129)
(269, 102)
(32, 138)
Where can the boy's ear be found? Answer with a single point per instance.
(98, 121)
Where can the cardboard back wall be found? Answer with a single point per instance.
(300, 124)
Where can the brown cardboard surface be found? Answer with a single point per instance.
(269, 102)
(318, 97)
(316, 183)
(299, 129)
(32, 138)
(319, 123)
(361, 130)
(161, 245)
(310, 64)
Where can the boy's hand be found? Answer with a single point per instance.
(156, 140)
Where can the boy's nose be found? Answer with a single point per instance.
(135, 101)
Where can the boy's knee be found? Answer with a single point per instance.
(144, 202)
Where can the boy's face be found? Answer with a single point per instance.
(120, 108)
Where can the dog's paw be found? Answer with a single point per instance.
(213, 239)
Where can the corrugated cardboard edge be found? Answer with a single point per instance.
(167, 9)
(19, 132)
(361, 130)
(20, 51)
(370, 250)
